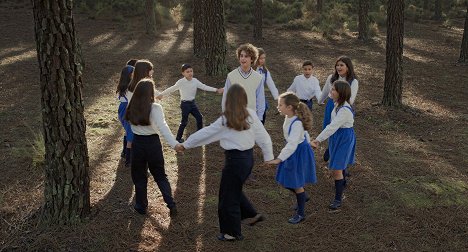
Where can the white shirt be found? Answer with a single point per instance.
(157, 124)
(293, 139)
(188, 88)
(269, 82)
(231, 139)
(327, 88)
(306, 88)
(343, 119)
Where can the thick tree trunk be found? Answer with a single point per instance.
(150, 17)
(258, 20)
(464, 45)
(438, 10)
(363, 20)
(198, 28)
(66, 171)
(394, 53)
(215, 38)
(319, 5)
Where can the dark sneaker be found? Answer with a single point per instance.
(226, 237)
(296, 219)
(335, 206)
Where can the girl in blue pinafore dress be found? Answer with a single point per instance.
(342, 140)
(296, 162)
(125, 77)
(344, 70)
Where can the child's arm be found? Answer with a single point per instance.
(226, 87)
(294, 139)
(292, 88)
(343, 116)
(354, 89)
(317, 92)
(170, 89)
(326, 90)
(271, 86)
(205, 87)
(262, 138)
(206, 135)
(260, 100)
(158, 122)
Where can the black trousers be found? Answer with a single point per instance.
(189, 107)
(147, 153)
(233, 205)
(308, 103)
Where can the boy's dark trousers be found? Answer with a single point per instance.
(233, 205)
(147, 152)
(308, 103)
(189, 107)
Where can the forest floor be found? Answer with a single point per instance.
(408, 190)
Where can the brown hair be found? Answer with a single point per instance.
(350, 75)
(142, 69)
(308, 63)
(260, 53)
(344, 92)
(139, 108)
(300, 109)
(235, 111)
(185, 67)
(250, 49)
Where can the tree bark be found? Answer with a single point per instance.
(258, 20)
(198, 28)
(150, 17)
(319, 5)
(363, 20)
(394, 54)
(215, 38)
(66, 189)
(464, 45)
(438, 10)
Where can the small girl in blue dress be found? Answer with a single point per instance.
(342, 142)
(125, 77)
(296, 160)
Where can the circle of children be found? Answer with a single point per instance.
(238, 129)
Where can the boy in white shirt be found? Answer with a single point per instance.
(187, 87)
(306, 86)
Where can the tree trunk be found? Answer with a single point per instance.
(150, 17)
(198, 28)
(215, 38)
(66, 188)
(464, 45)
(363, 20)
(258, 20)
(319, 5)
(438, 10)
(394, 53)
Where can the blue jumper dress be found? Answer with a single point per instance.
(125, 124)
(299, 168)
(342, 146)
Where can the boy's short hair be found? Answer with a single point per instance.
(185, 67)
(250, 49)
(308, 63)
(132, 62)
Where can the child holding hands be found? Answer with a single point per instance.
(296, 160)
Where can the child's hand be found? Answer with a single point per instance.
(159, 97)
(220, 90)
(315, 144)
(274, 161)
(179, 148)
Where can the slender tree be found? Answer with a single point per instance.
(66, 188)
(464, 45)
(258, 20)
(198, 28)
(150, 17)
(394, 53)
(438, 10)
(363, 20)
(215, 38)
(319, 5)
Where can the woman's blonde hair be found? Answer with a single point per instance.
(235, 111)
(300, 109)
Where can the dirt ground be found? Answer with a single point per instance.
(408, 190)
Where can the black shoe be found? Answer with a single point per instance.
(296, 219)
(173, 211)
(139, 210)
(226, 237)
(335, 206)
